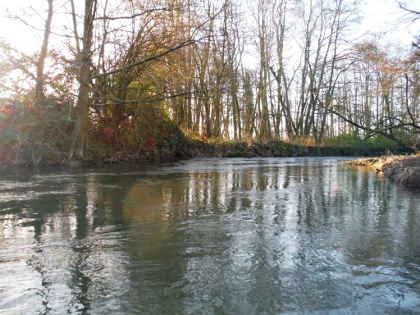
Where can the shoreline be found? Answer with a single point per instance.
(401, 169)
(189, 149)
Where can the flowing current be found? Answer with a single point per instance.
(209, 236)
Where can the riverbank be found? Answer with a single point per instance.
(277, 149)
(402, 169)
(183, 149)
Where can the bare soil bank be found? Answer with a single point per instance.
(402, 169)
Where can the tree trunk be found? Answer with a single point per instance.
(39, 86)
(80, 134)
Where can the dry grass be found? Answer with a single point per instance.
(380, 163)
(302, 141)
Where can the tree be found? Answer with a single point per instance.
(80, 134)
(416, 16)
(40, 81)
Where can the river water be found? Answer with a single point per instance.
(209, 236)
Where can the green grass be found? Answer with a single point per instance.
(375, 143)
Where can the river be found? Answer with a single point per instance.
(209, 236)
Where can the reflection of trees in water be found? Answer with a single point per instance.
(55, 217)
(412, 222)
(217, 238)
(80, 282)
(62, 256)
(155, 251)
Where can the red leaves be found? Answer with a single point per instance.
(150, 143)
(109, 135)
(5, 109)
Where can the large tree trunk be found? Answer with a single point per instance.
(80, 134)
(39, 86)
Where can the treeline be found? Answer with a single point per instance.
(122, 72)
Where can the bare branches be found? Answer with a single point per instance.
(35, 28)
(384, 131)
(196, 60)
(416, 13)
(146, 60)
(133, 16)
(75, 31)
(151, 99)
(39, 86)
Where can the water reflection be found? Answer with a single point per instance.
(237, 236)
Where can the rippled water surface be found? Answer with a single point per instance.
(231, 236)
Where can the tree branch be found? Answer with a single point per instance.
(129, 17)
(151, 99)
(141, 62)
(373, 131)
(409, 10)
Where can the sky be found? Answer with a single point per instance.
(16, 33)
(378, 16)
(384, 16)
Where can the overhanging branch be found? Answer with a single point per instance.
(149, 59)
(370, 130)
(129, 17)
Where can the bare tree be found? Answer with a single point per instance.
(80, 135)
(39, 87)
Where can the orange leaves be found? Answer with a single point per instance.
(5, 109)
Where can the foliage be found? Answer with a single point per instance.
(24, 128)
(356, 141)
(148, 133)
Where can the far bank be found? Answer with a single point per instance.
(183, 148)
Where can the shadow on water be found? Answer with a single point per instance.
(231, 236)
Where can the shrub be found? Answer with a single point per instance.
(44, 129)
(377, 143)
